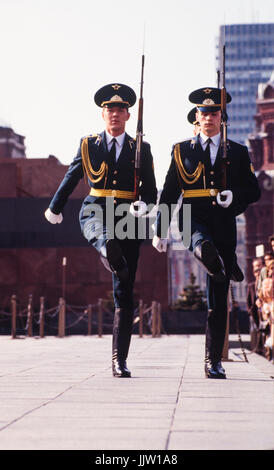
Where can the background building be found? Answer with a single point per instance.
(12, 145)
(260, 216)
(249, 60)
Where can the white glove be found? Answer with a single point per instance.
(159, 243)
(53, 218)
(228, 200)
(138, 208)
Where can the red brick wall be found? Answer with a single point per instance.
(39, 272)
(8, 179)
(34, 177)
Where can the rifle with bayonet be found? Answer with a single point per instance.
(139, 135)
(223, 123)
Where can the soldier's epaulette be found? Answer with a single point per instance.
(184, 141)
(94, 138)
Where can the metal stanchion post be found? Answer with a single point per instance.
(159, 322)
(62, 318)
(226, 342)
(64, 267)
(13, 316)
(42, 317)
(89, 319)
(141, 310)
(100, 317)
(154, 314)
(29, 316)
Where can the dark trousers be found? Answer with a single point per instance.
(98, 232)
(123, 290)
(123, 298)
(217, 292)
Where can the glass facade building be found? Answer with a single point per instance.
(249, 60)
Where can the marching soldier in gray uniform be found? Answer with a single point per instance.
(107, 162)
(196, 173)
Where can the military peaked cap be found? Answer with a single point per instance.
(208, 99)
(115, 94)
(191, 117)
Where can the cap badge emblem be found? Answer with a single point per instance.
(207, 91)
(116, 87)
(116, 98)
(208, 101)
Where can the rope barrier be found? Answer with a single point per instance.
(92, 315)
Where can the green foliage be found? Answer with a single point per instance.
(191, 297)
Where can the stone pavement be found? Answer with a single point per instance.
(59, 394)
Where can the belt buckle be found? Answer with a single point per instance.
(212, 192)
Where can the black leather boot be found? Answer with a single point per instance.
(116, 260)
(208, 256)
(122, 329)
(119, 367)
(214, 369)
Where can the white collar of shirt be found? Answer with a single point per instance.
(213, 147)
(215, 139)
(119, 139)
(119, 142)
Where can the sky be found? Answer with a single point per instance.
(55, 54)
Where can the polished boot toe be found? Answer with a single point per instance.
(214, 370)
(220, 368)
(119, 369)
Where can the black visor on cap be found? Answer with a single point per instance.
(115, 94)
(206, 99)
